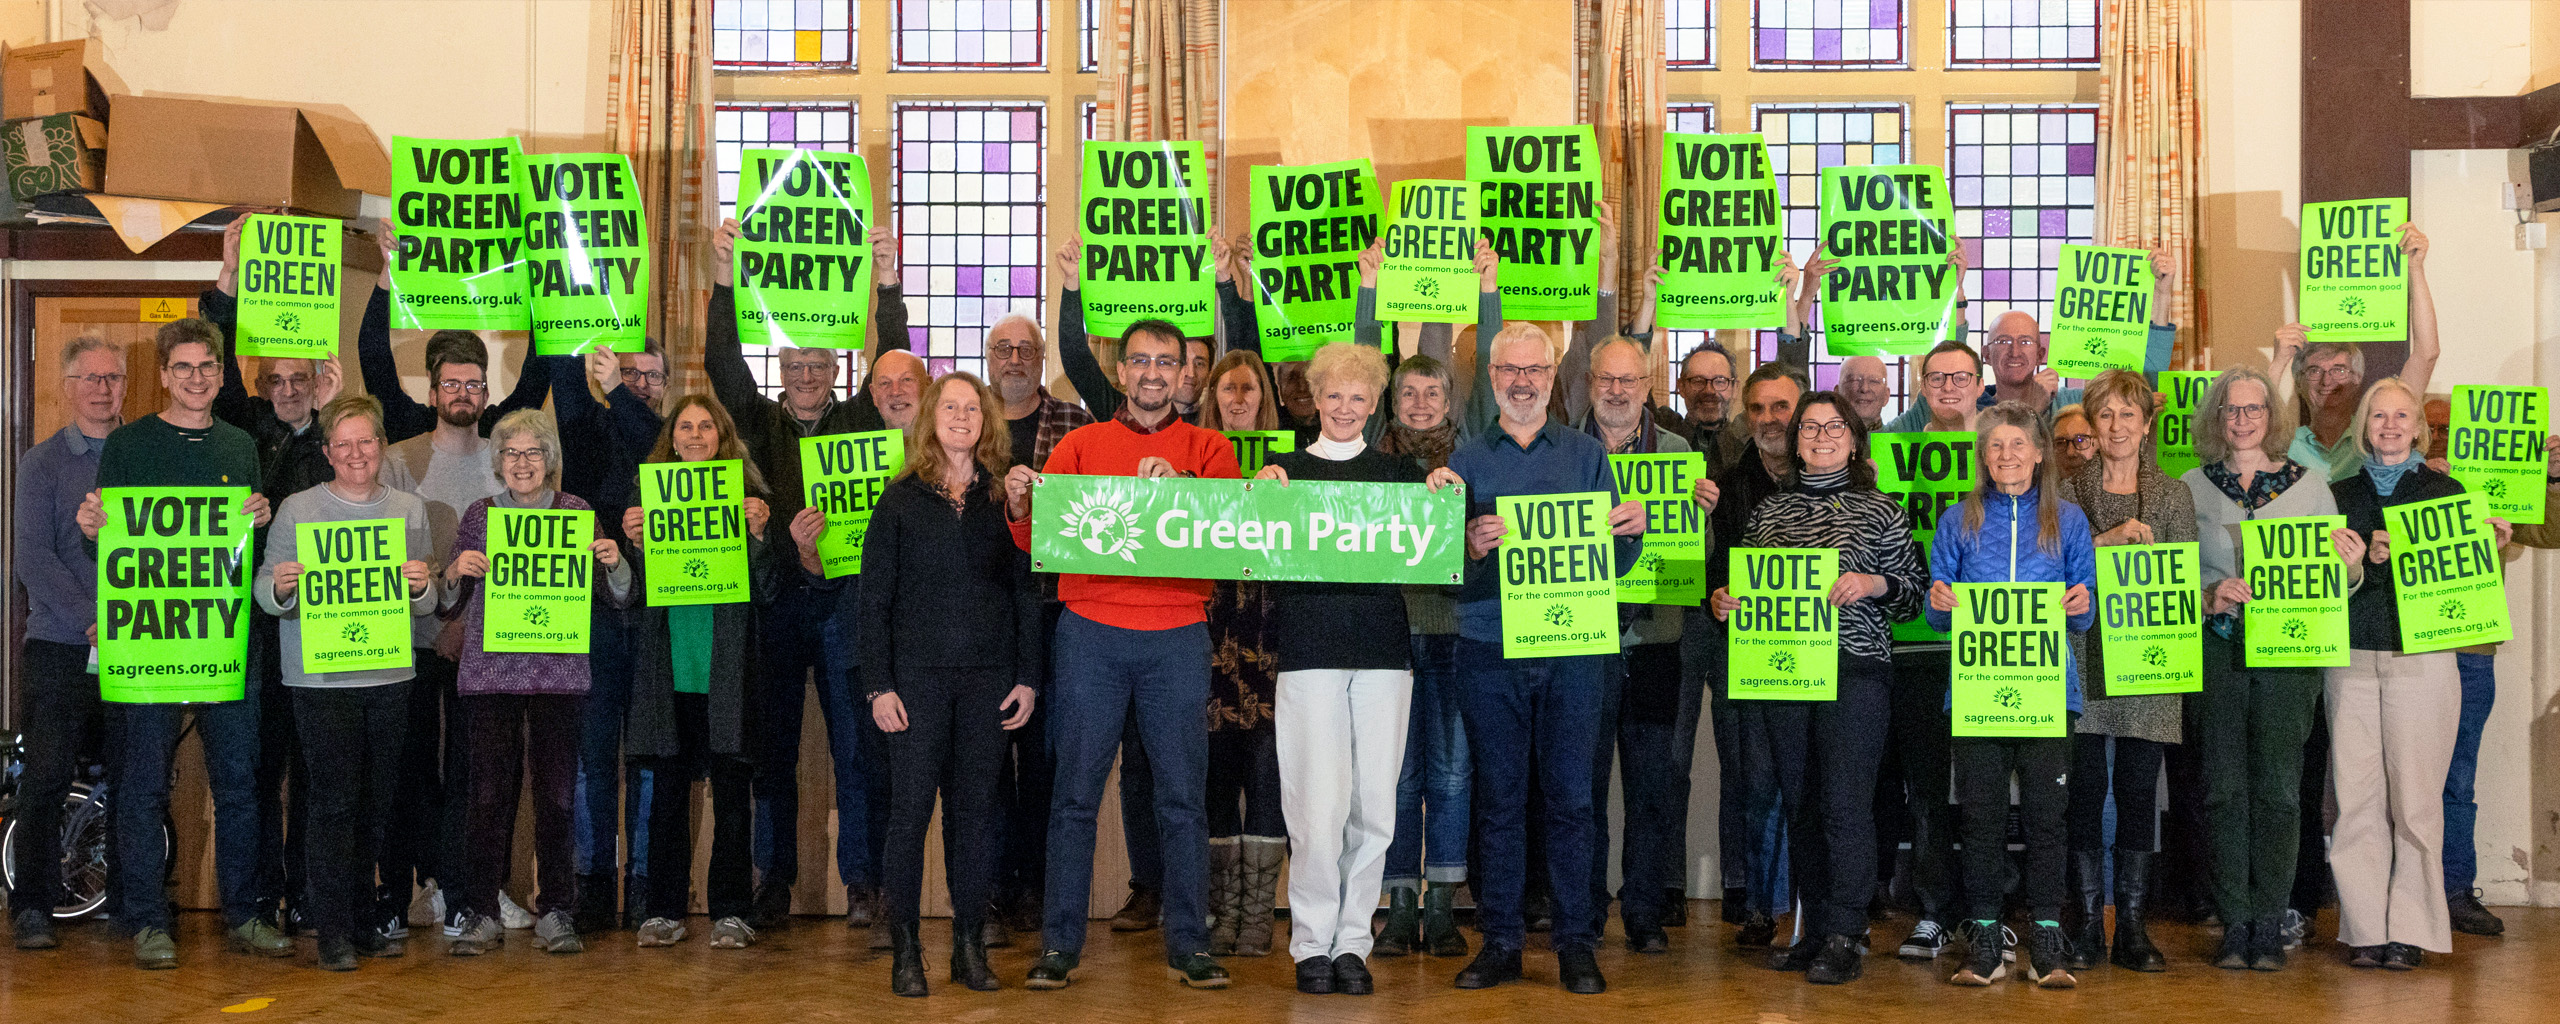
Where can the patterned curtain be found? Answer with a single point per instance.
(2148, 144)
(1618, 91)
(1160, 74)
(658, 112)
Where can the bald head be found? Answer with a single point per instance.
(1862, 383)
(2015, 349)
(897, 387)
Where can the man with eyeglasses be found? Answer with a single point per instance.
(2015, 349)
(1084, 370)
(1862, 382)
(404, 417)
(2327, 380)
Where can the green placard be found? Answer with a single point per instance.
(1146, 224)
(461, 259)
(1255, 447)
(1721, 234)
(586, 241)
(2297, 616)
(1239, 529)
(2101, 310)
(1538, 202)
(173, 594)
(2446, 575)
(539, 594)
(845, 475)
(2355, 280)
(2150, 622)
(2494, 445)
(1673, 568)
(289, 287)
(1784, 642)
(1430, 271)
(803, 256)
(1892, 292)
(1309, 225)
(2009, 676)
(694, 531)
(1928, 472)
(2173, 428)
(352, 604)
(1559, 572)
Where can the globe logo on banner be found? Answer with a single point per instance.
(1104, 526)
(2097, 348)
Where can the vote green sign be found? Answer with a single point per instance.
(352, 603)
(540, 589)
(845, 474)
(1720, 234)
(1146, 237)
(1673, 568)
(1538, 202)
(586, 244)
(2173, 428)
(173, 594)
(802, 264)
(1929, 472)
(2101, 310)
(1247, 530)
(694, 532)
(1309, 225)
(288, 287)
(1893, 292)
(2009, 676)
(2150, 630)
(461, 259)
(2494, 444)
(1558, 569)
(1784, 642)
(2354, 278)
(1430, 271)
(2297, 614)
(1255, 447)
(2446, 575)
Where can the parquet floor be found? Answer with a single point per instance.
(817, 971)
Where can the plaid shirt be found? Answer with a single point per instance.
(1056, 418)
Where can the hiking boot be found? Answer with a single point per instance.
(660, 932)
(557, 932)
(1402, 935)
(2049, 957)
(1263, 856)
(1051, 972)
(1198, 970)
(2469, 917)
(1928, 939)
(861, 906)
(154, 950)
(1226, 896)
(34, 929)
(1839, 963)
(2267, 943)
(1146, 907)
(1758, 929)
(1986, 954)
(1440, 934)
(1497, 964)
(969, 957)
(771, 906)
(479, 935)
(258, 936)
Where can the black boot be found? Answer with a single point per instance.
(968, 957)
(2088, 926)
(1440, 934)
(1403, 933)
(2134, 951)
(906, 960)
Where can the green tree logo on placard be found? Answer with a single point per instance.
(537, 615)
(2009, 697)
(2352, 305)
(2296, 629)
(288, 322)
(2097, 348)
(1427, 287)
(1782, 661)
(355, 633)
(2453, 610)
(2156, 656)
(1649, 563)
(2495, 489)
(1104, 526)
(1558, 615)
(697, 568)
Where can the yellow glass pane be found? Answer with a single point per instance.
(1888, 128)
(1774, 127)
(1859, 155)
(1802, 189)
(804, 45)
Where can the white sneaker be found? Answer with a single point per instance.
(732, 933)
(659, 932)
(426, 906)
(511, 916)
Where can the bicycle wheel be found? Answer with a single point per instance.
(87, 835)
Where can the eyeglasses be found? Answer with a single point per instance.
(1958, 379)
(1611, 382)
(457, 387)
(183, 371)
(809, 371)
(2081, 442)
(2330, 373)
(1847, 381)
(1159, 362)
(287, 381)
(358, 446)
(96, 380)
(520, 455)
(1718, 383)
(1020, 350)
(2244, 413)
(1834, 429)
(1523, 372)
(651, 376)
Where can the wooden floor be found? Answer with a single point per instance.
(816, 971)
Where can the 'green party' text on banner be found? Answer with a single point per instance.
(1309, 225)
(2172, 430)
(695, 531)
(1673, 568)
(1559, 575)
(1538, 202)
(2150, 629)
(1893, 292)
(1242, 529)
(173, 594)
(2011, 658)
(1255, 447)
(2494, 443)
(2446, 576)
(586, 243)
(1784, 642)
(1720, 234)
(2355, 279)
(540, 588)
(2101, 310)
(803, 258)
(1929, 472)
(289, 287)
(1146, 237)
(461, 259)
(2298, 614)
(352, 601)
(845, 475)
(1430, 271)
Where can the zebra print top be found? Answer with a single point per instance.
(1872, 532)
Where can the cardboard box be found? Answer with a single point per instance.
(62, 153)
(303, 159)
(56, 78)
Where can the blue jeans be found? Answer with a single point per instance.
(1532, 716)
(799, 636)
(139, 778)
(602, 783)
(1102, 672)
(1432, 793)
(2461, 815)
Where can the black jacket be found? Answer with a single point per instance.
(2373, 611)
(404, 417)
(772, 435)
(941, 590)
(650, 725)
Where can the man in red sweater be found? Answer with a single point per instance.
(1127, 640)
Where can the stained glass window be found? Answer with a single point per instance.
(1689, 35)
(1089, 35)
(782, 33)
(1836, 35)
(2023, 179)
(1086, 112)
(1803, 139)
(2022, 33)
(971, 35)
(968, 197)
(736, 128)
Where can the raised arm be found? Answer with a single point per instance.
(2423, 344)
(1364, 318)
(234, 404)
(1075, 354)
(1236, 313)
(1481, 412)
(402, 416)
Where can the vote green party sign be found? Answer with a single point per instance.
(2494, 444)
(694, 532)
(289, 287)
(802, 264)
(1146, 209)
(586, 243)
(539, 593)
(2173, 428)
(1558, 570)
(2010, 670)
(2150, 628)
(845, 474)
(1720, 234)
(1430, 271)
(173, 594)
(1255, 447)
(1893, 292)
(460, 265)
(1247, 530)
(2446, 575)
(1784, 642)
(1928, 472)
(2297, 616)
(1673, 568)
(1538, 202)
(2101, 310)
(352, 603)
(2355, 279)
(1309, 225)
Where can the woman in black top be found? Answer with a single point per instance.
(950, 661)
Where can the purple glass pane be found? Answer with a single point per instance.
(1995, 284)
(1995, 223)
(916, 337)
(998, 158)
(1826, 44)
(967, 281)
(1826, 376)
(2049, 223)
(1773, 44)
(1026, 126)
(972, 48)
(781, 125)
(938, 366)
(2083, 159)
(1884, 13)
(1830, 154)
(1026, 281)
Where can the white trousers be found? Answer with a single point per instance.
(1341, 735)
(2392, 719)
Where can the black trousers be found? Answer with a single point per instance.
(954, 740)
(733, 819)
(1983, 767)
(514, 735)
(1026, 775)
(1244, 784)
(2135, 779)
(1919, 740)
(351, 745)
(62, 718)
(426, 831)
(284, 795)
(1825, 754)
(1657, 743)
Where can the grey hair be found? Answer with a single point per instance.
(1026, 319)
(2301, 369)
(87, 343)
(2211, 445)
(534, 423)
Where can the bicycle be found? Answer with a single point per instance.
(88, 833)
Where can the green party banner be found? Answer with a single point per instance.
(1893, 293)
(289, 287)
(1538, 202)
(1673, 568)
(1929, 472)
(845, 474)
(2297, 614)
(2354, 278)
(1559, 574)
(352, 602)
(2494, 444)
(1430, 271)
(539, 593)
(694, 532)
(461, 259)
(2150, 628)
(1309, 225)
(1721, 234)
(1255, 447)
(1784, 642)
(2010, 673)
(2446, 575)
(2101, 310)
(2173, 428)
(803, 256)
(1182, 528)
(173, 594)
(1146, 237)
(586, 241)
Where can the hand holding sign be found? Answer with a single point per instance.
(1018, 483)
(1372, 258)
(1442, 477)
(1483, 532)
(1941, 596)
(2075, 601)
(1272, 472)
(418, 575)
(288, 580)
(608, 553)
(2231, 593)
(758, 514)
(884, 258)
(1706, 494)
(632, 520)
(1628, 519)
(1853, 587)
(466, 565)
(2352, 547)
(1153, 467)
(92, 516)
(724, 245)
(1723, 603)
(806, 525)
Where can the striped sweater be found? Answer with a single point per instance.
(1873, 535)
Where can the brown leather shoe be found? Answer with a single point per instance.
(1143, 912)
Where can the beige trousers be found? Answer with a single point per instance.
(2392, 719)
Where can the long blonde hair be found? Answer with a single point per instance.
(2048, 494)
(993, 452)
(731, 445)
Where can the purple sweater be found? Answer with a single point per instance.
(484, 672)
